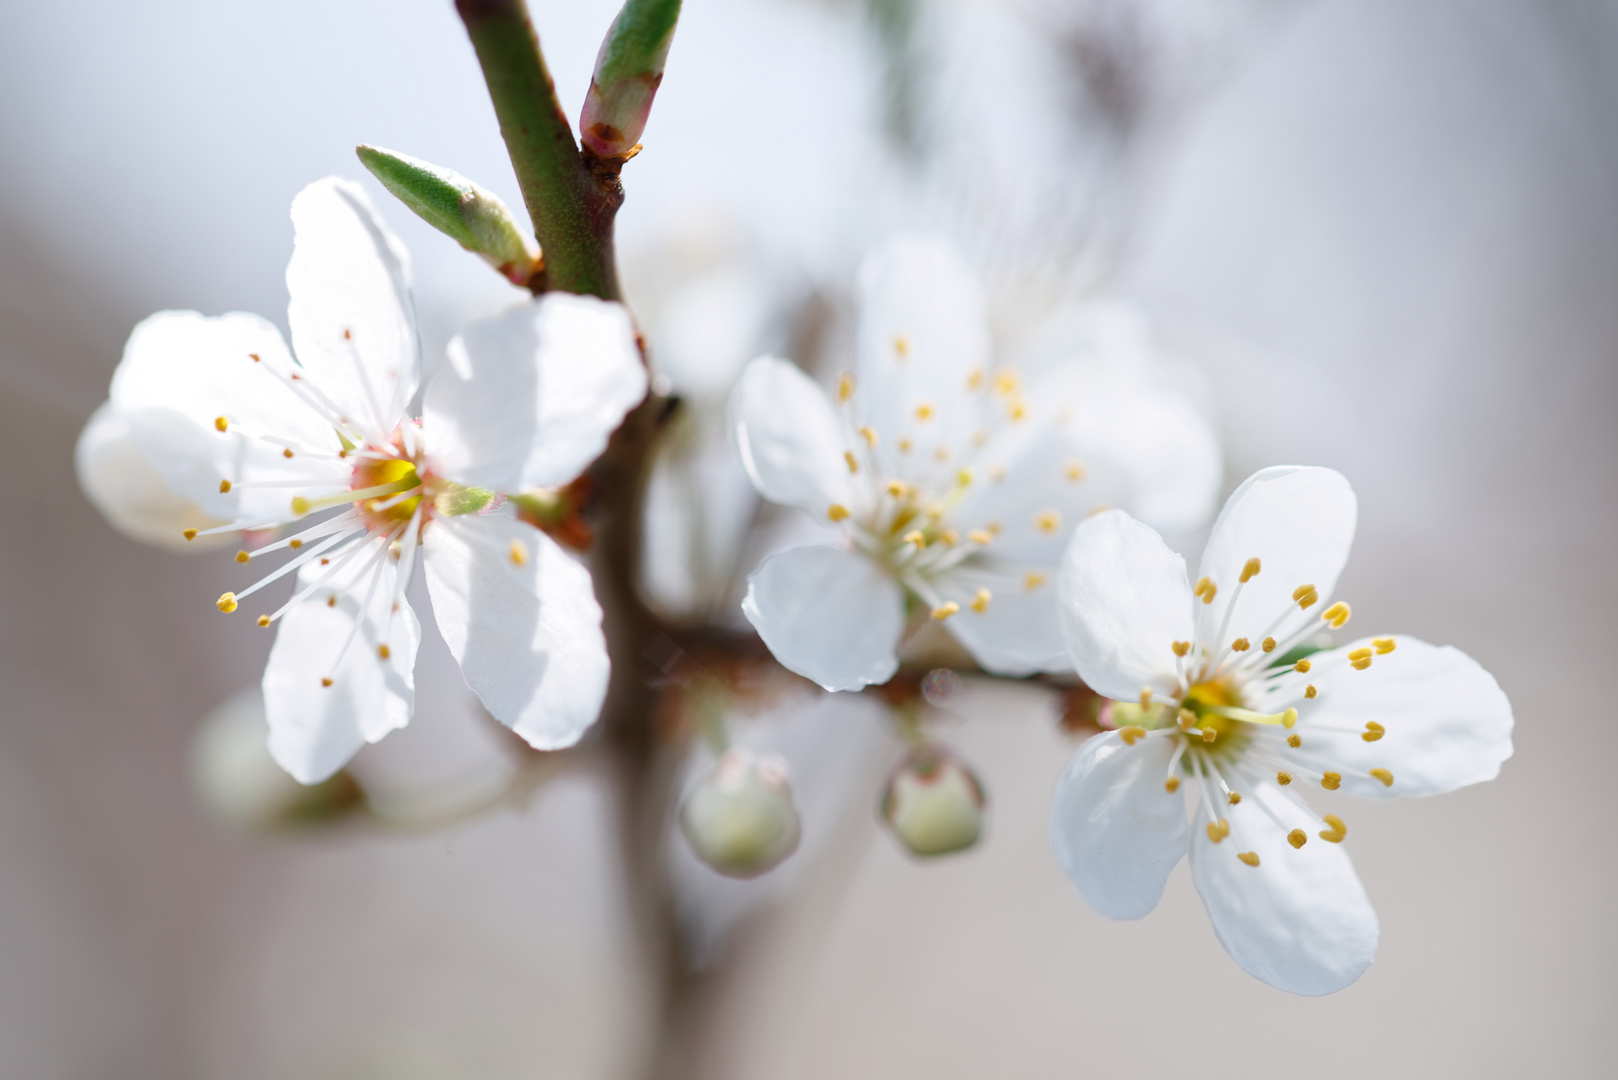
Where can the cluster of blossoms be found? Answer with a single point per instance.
(990, 499)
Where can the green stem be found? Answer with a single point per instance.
(571, 209)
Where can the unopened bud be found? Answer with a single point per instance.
(460, 209)
(933, 803)
(239, 783)
(740, 818)
(628, 69)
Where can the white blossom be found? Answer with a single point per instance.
(953, 483)
(259, 440)
(1209, 715)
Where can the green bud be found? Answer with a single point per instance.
(933, 804)
(458, 208)
(740, 819)
(628, 70)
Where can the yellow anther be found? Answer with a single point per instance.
(950, 537)
(1297, 838)
(1209, 734)
(190, 534)
(1218, 830)
(1336, 615)
(1047, 521)
(1373, 731)
(1268, 644)
(294, 544)
(518, 553)
(1305, 596)
(993, 527)
(1007, 382)
(980, 536)
(383, 652)
(964, 478)
(941, 455)
(331, 601)
(980, 438)
(325, 681)
(924, 411)
(901, 347)
(1171, 785)
(264, 620)
(845, 386)
(852, 463)
(226, 603)
(220, 423)
(1205, 590)
(1017, 410)
(974, 379)
(1283, 778)
(1310, 691)
(1335, 829)
(1032, 580)
(1294, 742)
(1383, 775)
(933, 511)
(1302, 667)
(1074, 471)
(1289, 718)
(945, 610)
(1331, 781)
(1233, 798)
(1131, 733)
(1250, 570)
(1145, 698)
(980, 602)
(300, 505)
(1248, 857)
(837, 512)
(869, 435)
(287, 452)
(905, 446)
(1186, 719)
(224, 486)
(898, 488)
(1359, 659)
(1181, 647)
(997, 474)
(1383, 645)
(242, 556)
(1241, 644)
(916, 537)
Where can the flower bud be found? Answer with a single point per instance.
(132, 495)
(628, 69)
(240, 784)
(933, 803)
(740, 818)
(458, 208)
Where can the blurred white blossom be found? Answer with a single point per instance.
(1205, 693)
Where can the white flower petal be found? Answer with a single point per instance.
(1020, 630)
(521, 619)
(131, 494)
(529, 399)
(1116, 831)
(1448, 723)
(353, 322)
(1300, 919)
(1124, 601)
(923, 329)
(1298, 521)
(315, 729)
(789, 439)
(830, 615)
(180, 373)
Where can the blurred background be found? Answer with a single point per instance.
(1386, 234)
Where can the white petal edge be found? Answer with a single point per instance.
(120, 481)
(1116, 832)
(830, 615)
(316, 729)
(352, 318)
(521, 619)
(1019, 633)
(790, 441)
(1448, 724)
(1298, 521)
(530, 398)
(1300, 919)
(1124, 602)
